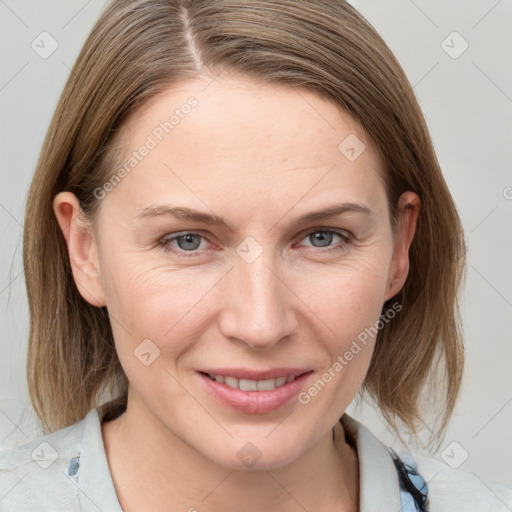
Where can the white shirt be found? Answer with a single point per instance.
(67, 470)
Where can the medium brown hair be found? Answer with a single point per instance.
(137, 49)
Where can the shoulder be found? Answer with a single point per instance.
(455, 490)
(39, 473)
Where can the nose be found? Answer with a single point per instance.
(257, 305)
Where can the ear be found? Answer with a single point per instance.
(82, 248)
(405, 226)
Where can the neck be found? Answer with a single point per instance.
(160, 471)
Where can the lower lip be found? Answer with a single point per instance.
(255, 402)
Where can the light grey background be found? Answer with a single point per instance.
(467, 102)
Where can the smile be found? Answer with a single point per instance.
(251, 385)
(254, 392)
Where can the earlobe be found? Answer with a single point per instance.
(82, 247)
(407, 215)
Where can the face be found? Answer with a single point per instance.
(212, 257)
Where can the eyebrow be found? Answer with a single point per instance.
(189, 214)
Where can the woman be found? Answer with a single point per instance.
(236, 224)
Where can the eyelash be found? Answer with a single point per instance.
(165, 242)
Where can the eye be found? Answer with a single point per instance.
(190, 241)
(323, 237)
(185, 242)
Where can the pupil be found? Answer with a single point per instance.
(323, 236)
(188, 240)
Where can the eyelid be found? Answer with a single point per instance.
(320, 229)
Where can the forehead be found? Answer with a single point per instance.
(232, 135)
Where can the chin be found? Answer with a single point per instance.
(256, 453)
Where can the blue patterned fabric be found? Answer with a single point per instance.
(413, 488)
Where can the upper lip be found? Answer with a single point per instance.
(249, 374)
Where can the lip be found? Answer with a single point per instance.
(255, 402)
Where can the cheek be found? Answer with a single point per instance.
(162, 303)
(349, 302)
(348, 296)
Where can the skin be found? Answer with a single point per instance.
(259, 157)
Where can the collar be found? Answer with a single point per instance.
(93, 471)
(379, 486)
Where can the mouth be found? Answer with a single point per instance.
(254, 392)
(251, 385)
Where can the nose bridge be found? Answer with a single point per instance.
(258, 308)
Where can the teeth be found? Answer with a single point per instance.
(280, 381)
(252, 385)
(232, 382)
(248, 385)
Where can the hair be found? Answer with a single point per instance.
(139, 48)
